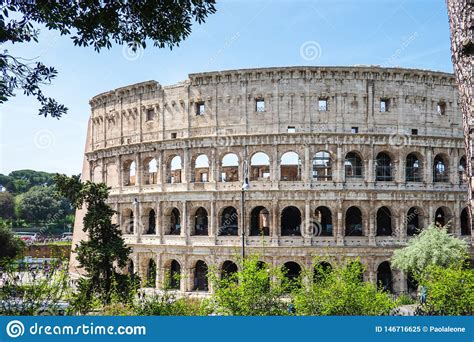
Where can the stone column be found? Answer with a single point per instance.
(338, 166)
(428, 166)
(456, 220)
(306, 176)
(185, 167)
(213, 166)
(400, 175)
(372, 229)
(159, 221)
(138, 171)
(275, 229)
(275, 172)
(159, 168)
(340, 225)
(137, 220)
(184, 221)
(120, 173)
(213, 231)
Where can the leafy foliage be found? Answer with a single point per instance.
(89, 23)
(255, 290)
(341, 291)
(42, 205)
(104, 253)
(450, 291)
(167, 304)
(31, 290)
(20, 181)
(7, 205)
(433, 246)
(10, 246)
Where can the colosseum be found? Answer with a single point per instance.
(285, 163)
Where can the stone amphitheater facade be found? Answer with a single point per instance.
(340, 162)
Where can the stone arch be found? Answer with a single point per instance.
(384, 221)
(413, 167)
(200, 277)
(290, 221)
(323, 224)
(462, 169)
(151, 274)
(228, 268)
(174, 168)
(129, 172)
(200, 168)
(465, 226)
(230, 168)
(228, 221)
(414, 220)
(128, 221)
(292, 271)
(260, 166)
(172, 221)
(150, 171)
(385, 277)
(173, 274)
(322, 166)
(290, 166)
(259, 221)
(441, 168)
(443, 217)
(150, 221)
(383, 167)
(353, 166)
(200, 220)
(353, 222)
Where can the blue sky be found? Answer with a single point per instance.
(242, 34)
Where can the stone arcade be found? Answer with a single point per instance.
(342, 162)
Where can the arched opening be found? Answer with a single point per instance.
(172, 222)
(353, 222)
(174, 170)
(462, 170)
(412, 284)
(465, 226)
(383, 168)
(384, 222)
(151, 274)
(353, 165)
(151, 222)
(228, 269)
(128, 221)
(291, 221)
(384, 277)
(290, 167)
(321, 270)
(323, 224)
(414, 221)
(175, 275)
(201, 169)
(259, 221)
(229, 222)
(413, 169)
(200, 276)
(440, 169)
(129, 173)
(442, 216)
(230, 168)
(322, 168)
(260, 167)
(201, 222)
(150, 171)
(292, 272)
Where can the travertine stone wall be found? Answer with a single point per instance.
(306, 110)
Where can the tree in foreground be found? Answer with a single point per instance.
(11, 246)
(433, 246)
(255, 290)
(104, 254)
(462, 52)
(340, 290)
(97, 23)
(450, 291)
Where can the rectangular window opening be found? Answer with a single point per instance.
(150, 114)
(323, 105)
(414, 131)
(260, 105)
(441, 108)
(200, 108)
(173, 135)
(354, 129)
(384, 105)
(291, 129)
